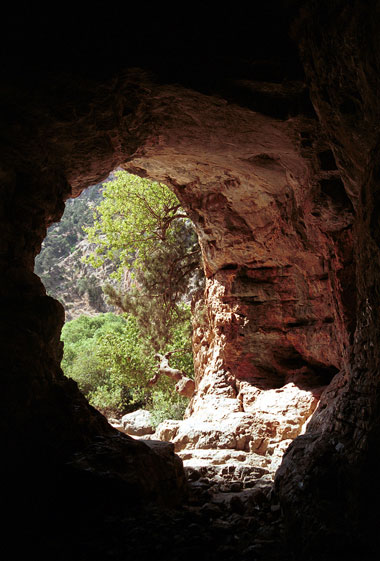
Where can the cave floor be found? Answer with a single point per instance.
(223, 518)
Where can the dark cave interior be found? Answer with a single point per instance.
(266, 127)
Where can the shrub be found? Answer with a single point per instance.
(112, 363)
(104, 355)
(163, 408)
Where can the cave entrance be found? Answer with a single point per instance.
(125, 263)
(276, 246)
(251, 162)
(272, 298)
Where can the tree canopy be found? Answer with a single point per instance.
(112, 364)
(141, 226)
(135, 215)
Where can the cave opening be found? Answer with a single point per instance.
(269, 335)
(128, 323)
(226, 464)
(284, 199)
(283, 372)
(265, 344)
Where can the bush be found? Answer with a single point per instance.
(103, 354)
(112, 363)
(163, 408)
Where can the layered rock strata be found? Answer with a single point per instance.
(274, 226)
(274, 223)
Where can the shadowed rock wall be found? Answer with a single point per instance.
(332, 467)
(52, 438)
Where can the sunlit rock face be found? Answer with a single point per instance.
(274, 222)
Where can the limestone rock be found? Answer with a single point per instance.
(167, 430)
(185, 386)
(137, 423)
(285, 199)
(269, 422)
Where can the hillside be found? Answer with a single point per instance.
(75, 284)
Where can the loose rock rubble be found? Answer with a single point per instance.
(234, 493)
(231, 508)
(231, 514)
(240, 506)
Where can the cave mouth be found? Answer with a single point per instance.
(249, 450)
(275, 228)
(224, 490)
(285, 220)
(127, 335)
(230, 459)
(266, 338)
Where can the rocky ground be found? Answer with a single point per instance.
(231, 512)
(229, 515)
(225, 518)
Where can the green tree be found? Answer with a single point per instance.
(141, 226)
(135, 215)
(106, 357)
(111, 363)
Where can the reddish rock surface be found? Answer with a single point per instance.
(275, 245)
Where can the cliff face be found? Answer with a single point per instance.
(274, 223)
(284, 197)
(75, 284)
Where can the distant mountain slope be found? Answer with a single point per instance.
(76, 285)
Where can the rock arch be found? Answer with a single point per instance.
(289, 238)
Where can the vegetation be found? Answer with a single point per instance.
(63, 236)
(140, 225)
(112, 363)
(63, 241)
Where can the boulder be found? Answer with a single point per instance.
(138, 423)
(185, 386)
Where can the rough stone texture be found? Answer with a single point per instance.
(332, 469)
(185, 386)
(137, 423)
(270, 420)
(285, 200)
(275, 246)
(274, 314)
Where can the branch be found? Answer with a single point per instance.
(185, 386)
(164, 226)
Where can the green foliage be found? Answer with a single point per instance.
(104, 355)
(62, 240)
(111, 362)
(141, 225)
(133, 217)
(90, 286)
(163, 408)
(64, 235)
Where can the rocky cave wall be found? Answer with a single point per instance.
(273, 187)
(332, 468)
(274, 223)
